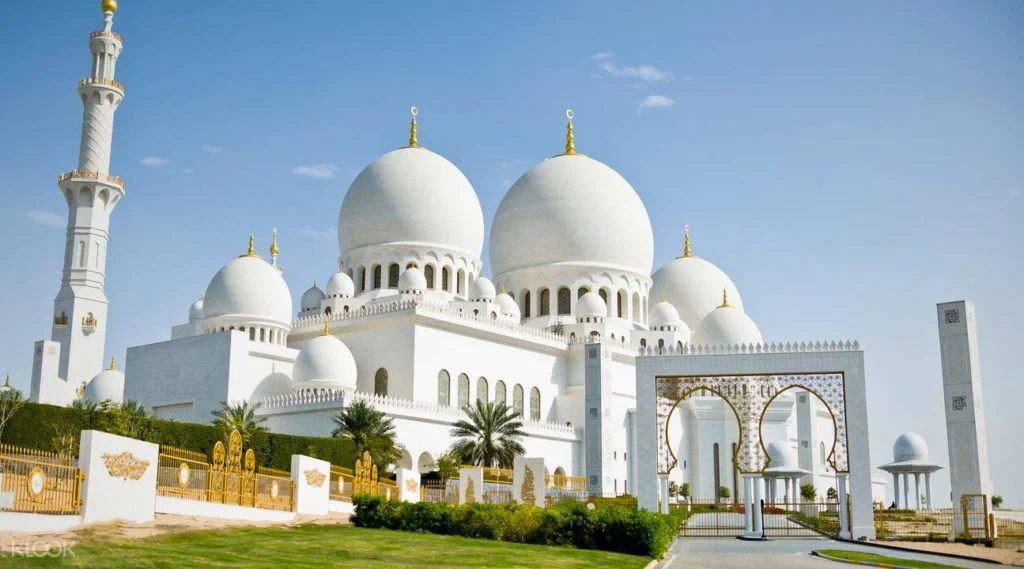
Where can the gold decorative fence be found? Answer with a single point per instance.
(230, 477)
(440, 492)
(497, 475)
(559, 487)
(39, 482)
(341, 483)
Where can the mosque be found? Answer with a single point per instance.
(409, 322)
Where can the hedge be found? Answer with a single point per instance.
(569, 523)
(40, 426)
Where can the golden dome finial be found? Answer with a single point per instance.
(109, 6)
(327, 327)
(725, 299)
(413, 140)
(570, 136)
(113, 363)
(7, 381)
(686, 242)
(80, 391)
(273, 244)
(252, 246)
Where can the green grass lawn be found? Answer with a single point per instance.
(319, 546)
(873, 558)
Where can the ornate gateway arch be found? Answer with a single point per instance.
(749, 378)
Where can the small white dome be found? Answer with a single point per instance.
(412, 279)
(727, 325)
(248, 289)
(482, 289)
(694, 287)
(664, 314)
(508, 305)
(411, 195)
(591, 305)
(311, 299)
(107, 385)
(782, 455)
(340, 284)
(324, 361)
(273, 384)
(571, 210)
(910, 446)
(195, 312)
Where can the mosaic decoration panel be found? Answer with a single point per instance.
(749, 396)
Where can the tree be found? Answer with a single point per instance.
(808, 492)
(370, 431)
(684, 490)
(831, 495)
(997, 502)
(127, 419)
(673, 489)
(10, 401)
(448, 466)
(491, 435)
(724, 493)
(239, 417)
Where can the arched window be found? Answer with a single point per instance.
(564, 301)
(636, 307)
(376, 277)
(361, 283)
(535, 403)
(481, 390)
(620, 304)
(525, 297)
(499, 392)
(735, 476)
(393, 275)
(444, 385)
(327, 311)
(821, 451)
(428, 273)
(661, 343)
(517, 399)
(643, 342)
(545, 302)
(380, 382)
(603, 293)
(717, 467)
(446, 279)
(463, 391)
(460, 282)
(580, 292)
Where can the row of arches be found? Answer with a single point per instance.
(444, 394)
(539, 302)
(256, 333)
(374, 277)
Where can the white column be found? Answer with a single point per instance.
(906, 491)
(748, 504)
(928, 490)
(896, 488)
(917, 490)
(758, 496)
(844, 520)
(663, 492)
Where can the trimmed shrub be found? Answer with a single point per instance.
(41, 426)
(570, 523)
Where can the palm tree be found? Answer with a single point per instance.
(369, 430)
(84, 404)
(239, 417)
(491, 435)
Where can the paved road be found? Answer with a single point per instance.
(729, 553)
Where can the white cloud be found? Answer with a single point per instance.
(155, 161)
(688, 78)
(212, 149)
(604, 55)
(644, 71)
(322, 171)
(657, 102)
(320, 235)
(187, 171)
(47, 218)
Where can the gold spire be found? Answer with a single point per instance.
(413, 140)
(570, 137)
(7, 382)
(109, 6)
(273, 244)
(725, 299)
(113, 363)
(252, 247)
(686, 242)
(327, 327)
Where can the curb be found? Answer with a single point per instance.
(816, 553)
(882, 545)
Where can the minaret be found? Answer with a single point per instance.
(91, 193)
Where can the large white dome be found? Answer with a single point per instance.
(571, 210)
(324, 361)
(727, 325)
(311, 299)
(411, 195)
(340, 285)
(107, 385)
(694, 287)
(782, 455)
(247, 290)
(910, 446)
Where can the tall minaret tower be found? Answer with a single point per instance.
(91, 193)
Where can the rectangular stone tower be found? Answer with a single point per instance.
(965, 415)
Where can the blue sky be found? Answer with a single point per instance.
(848, 165)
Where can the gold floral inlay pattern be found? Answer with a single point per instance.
(314, 477)
(526, 493)
(411, 485)
(470, 491)
(125, 465)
